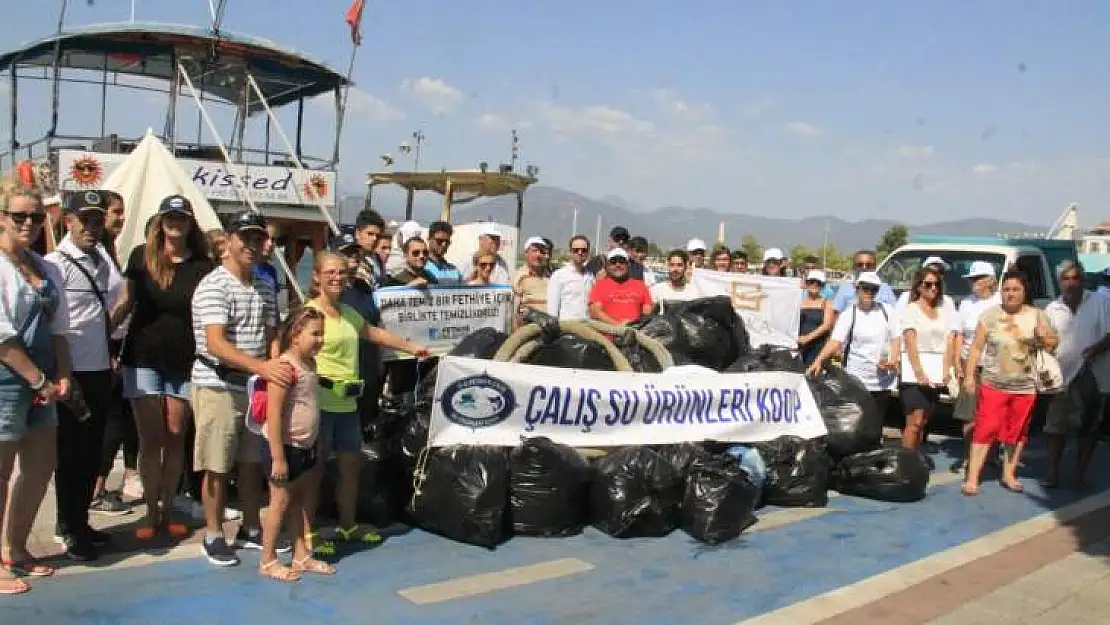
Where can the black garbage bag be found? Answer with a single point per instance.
(719, 501)
(570, 351)
(682, 455)
(642, 360)
(635, 492)
(797, 472)
(482, 343)
(394, 414)
(465, 494)
(380, 489)
(768, 358)
(897, 475)
(853, 419)
(548, 489)
(705, 332)
(413, 438)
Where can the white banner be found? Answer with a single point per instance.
(769, 306)
(78, 170)
(480, 402)
(439, 317)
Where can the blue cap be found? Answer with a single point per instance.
(176, 204)
(87, 200)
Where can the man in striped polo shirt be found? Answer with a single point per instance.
(233, 322)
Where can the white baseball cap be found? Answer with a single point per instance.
(408, 230)
(696, 245)
(816, 274)
(537, 241)
(489, 229)
(979, 269)
(869, 277)
(937, 261)
(52, 200)
(617, 252)
(773, 253)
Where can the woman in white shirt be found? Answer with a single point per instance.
(927, 327)
(34, 373)
(867, 338)
(984, 295)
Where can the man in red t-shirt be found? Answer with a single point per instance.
(618, 298)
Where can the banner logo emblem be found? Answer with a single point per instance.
(477, 401)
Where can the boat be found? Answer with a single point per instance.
(210, 67)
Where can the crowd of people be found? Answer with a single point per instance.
(180, 356)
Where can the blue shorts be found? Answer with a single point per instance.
(341, 432)
(17, 415)
(143, 382)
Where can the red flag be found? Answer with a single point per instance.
(354, 20)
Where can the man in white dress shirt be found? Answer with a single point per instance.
(568, 290)
(92, 284)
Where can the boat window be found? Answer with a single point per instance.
(898, 269)
(1033, 267)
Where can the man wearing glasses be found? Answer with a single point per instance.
(569, 286)
(862, 262)
(414, 273)
(439, 239)
(618, 298)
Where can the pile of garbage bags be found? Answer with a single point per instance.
(705, 332)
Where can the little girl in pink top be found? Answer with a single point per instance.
(293, 451)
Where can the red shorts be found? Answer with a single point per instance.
(1002, 416)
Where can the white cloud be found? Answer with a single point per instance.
(599, 118)
(915, 152)
(433, 94)
(802, 129)
(362, 106)
(759, 107)
(984, 169)
(497, 122)
(677, 107)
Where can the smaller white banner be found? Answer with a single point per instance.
(480, 402)
(78, 170)
(439, 317)
(769, 306)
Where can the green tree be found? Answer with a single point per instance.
(750, 246)
(798, 254)
(894, 238)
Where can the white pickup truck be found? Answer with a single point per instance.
(1038, 258)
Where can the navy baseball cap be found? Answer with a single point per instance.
(246, 220)
(344, 241)
(87, 201)
(176, 204)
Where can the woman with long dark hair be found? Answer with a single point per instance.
(160, 279)
(927, 329)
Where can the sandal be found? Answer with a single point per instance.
(277, 571)
(28, 568)
(353, 535)
(145, 533)
(13, 586)
(1014, 486)
(308, 564)
(323, 547)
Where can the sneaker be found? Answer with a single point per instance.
(132, 487)
(98, 538)
(218, 553)
(78, 549)
(192, 509)
(252, 539)
(109, 504)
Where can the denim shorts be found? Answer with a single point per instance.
(17, 415)
(143, 382)
(341, 432)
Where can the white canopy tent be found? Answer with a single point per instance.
(147, 176)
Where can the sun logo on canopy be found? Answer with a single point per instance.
(316, 186)
(86, 171)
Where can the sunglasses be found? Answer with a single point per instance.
(20, 218)
(91, 219)
(865, 265)
(930, 284)
(579, 250)
(618, 261)
(485, 265)
(418, 254)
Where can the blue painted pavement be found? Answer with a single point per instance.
(641, 581)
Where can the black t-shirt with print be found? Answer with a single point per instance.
(161, 333)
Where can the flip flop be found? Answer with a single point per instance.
(28, 568)
(177, 530)
(13, 586)
(1016, 487)
(351, 534)
(145, 533)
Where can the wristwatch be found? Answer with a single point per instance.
(38, 386)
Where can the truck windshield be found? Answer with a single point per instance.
(898, 269)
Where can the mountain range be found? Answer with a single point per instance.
(549, 211)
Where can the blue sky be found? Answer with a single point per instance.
(918, 111)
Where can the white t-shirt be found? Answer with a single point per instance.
(872, 332)
(967, 319)
(662, 291)
(88, 349)
(932, 333)
(1077, 332)
(567, 293)
(947, 305)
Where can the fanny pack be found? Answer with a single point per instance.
(233, 377)
(352, 389)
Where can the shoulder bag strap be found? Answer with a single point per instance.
(848, 339)
(95, 288)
